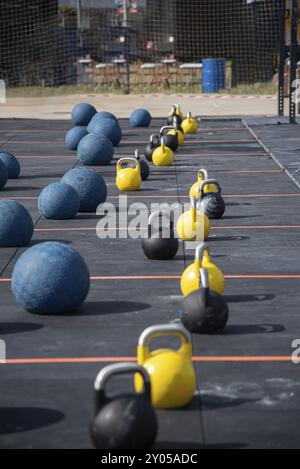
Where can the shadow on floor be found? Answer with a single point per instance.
(245, 329)
(248, 298)
(18, 327)
(109, 307)
(21, 419)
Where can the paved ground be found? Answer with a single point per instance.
(248, 389)
(206, 105)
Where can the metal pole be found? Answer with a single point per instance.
(293, 59)
(79, 10)
(127, 45)
(282, 50)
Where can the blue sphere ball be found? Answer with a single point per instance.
(107, 127)
(140, 118)
(90, 186)
(3, 175)
(74, 136)
(82, 114)
(103, 115)
(50, 278)
(95, 150)
(58, 201)
(11, 163)
(16, 225)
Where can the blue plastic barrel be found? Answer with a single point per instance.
(213, 75)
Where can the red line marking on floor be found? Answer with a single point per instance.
(203, 359)
(236, 227)
(140, 196)
(129, 142)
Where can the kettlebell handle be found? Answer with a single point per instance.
(118, 369)
(204, 173)
(166, 127)
(163, 330)
(137, 154)
(160, 214)
(200, 251)
(127, 160)
(203, 276)
(209, 181)
(153, 138)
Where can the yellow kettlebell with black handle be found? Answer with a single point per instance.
(177, 130)
(193, 225)
(189, 125)
(172, 374)
(190, 279)
(195, 188)
(163, 155)
(129, 178)
(176, 111)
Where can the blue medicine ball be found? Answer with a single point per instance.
(95, 150)
(11, 163)
(3, 175)
(103, 115)
(140, 118)
(58, 201)
(107, 127)
(50, 278)
(16, 226)
(74, 136)
(82, 114)
(90, 186)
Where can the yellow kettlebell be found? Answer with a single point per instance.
(190, 279)
(128, 179)
(163, 155)
(176, 110)
(193, 225)
(189, 125)
(179, 134)
(172, 374)
(195, 188)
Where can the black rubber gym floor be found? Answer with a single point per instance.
(248, 388)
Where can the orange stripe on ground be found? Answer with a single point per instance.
(140, 196)
(178, 277)
(129, 142)
(237, 227)
(224, 359)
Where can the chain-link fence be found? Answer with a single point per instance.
(150, 45)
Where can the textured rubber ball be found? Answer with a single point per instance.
(11, 163)
(74, 136)
(3, 175)
(59, 201)
(107, 127)
(82, 113)
(90, 186)
(140, 118)
(16, 226)
(95, 150)
(103, 115)
(50, 278)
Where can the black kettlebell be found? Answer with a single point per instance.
(171, 141)
(127, 421)
(156, 246)
(152, 145)
(204, 311)
(145, 170)
(177, 126)
(174, 119)
(212, 203)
